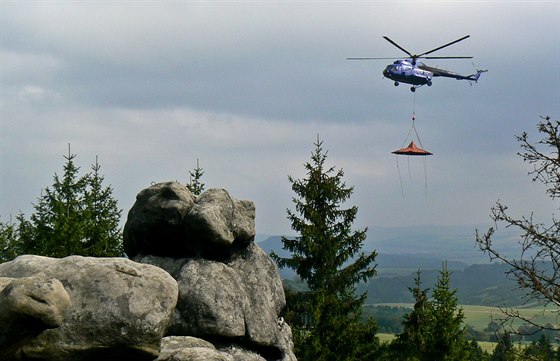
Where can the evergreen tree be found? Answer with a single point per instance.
(195, 185)
(326, 255)
(414, 341)
(504, 350)
(541, 350)
(58, 221)
(433, 330)
(8, 241)
(448, 334)
(103, 237)
(77, 216)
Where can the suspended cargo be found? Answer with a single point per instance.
(412, 149)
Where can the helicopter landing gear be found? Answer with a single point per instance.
(396, 83)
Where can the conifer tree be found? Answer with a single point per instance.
(448, 336)
(103, 237)
(326, 255)
(8, 241)
(195, 185)
(540, 349)
(414, 341)
(434, 330)
(504, 350)
(58, 222)
(76, 216)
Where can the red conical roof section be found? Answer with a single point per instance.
(412, 149)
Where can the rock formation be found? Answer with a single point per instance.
(197, 287)
(116, 307)
(230, 292)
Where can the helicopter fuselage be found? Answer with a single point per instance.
(404, 71)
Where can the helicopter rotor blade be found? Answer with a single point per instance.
(443, 46)
(398, 46)
(446, 57)
(372, 58)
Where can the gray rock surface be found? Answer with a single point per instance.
(118, 308)
(28, 306)
(186, 348)
(238, 299)
(168, 220)
(155, 221)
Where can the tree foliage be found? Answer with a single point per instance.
(434, 329)
(77, 215)
(537, 269)
(326, 255)
(195, 184)
(8, 241)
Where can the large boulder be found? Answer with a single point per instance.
(28, 306)
(155, 221)
(168, 220)
(238, 299)
(119, 309)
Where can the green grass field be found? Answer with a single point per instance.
(479, 317)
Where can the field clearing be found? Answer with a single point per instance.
(485, 345)
(479, 317)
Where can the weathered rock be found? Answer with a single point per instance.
(196, 354)
(239, 299)
(264, 291)
(220, 219)
(28, 306)
(212, 300)
(119, 309)
(155, 221)
(185, 348)
(169, 221)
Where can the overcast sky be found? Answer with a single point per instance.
(246, 87)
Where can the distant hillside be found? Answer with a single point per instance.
(403, 250)
(484, 285)
(452, 243)
(420, 244)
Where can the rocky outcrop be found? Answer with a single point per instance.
(230, 292)
(167, 220)
(197, 288)
(115, 307)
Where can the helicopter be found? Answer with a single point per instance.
(413, 72)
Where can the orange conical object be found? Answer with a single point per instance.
(412, 149)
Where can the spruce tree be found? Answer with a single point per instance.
(326, 255)
(448, 336)
(195, 185)
(103, 237)
(434, 330)
(414, 342)
(58, 222)
(504, 350)
(76, 216)
(8, 241)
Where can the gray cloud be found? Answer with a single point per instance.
(246, 87)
